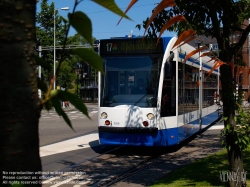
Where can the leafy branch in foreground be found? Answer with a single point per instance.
(82, 24)
(239, 134)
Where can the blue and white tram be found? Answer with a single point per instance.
(149, 97)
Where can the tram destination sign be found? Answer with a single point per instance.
(130, 46)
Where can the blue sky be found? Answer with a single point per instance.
(104, 22)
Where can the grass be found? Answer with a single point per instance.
(205, 172)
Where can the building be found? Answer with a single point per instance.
(241, 60)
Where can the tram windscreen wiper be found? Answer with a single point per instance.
(140, 99)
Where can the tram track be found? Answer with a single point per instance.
(130, 172)
(149, 163)
(102, 158)
(79, 163)
(125, 164)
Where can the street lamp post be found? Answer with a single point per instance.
(64, 8)
(200, 85)
(39, 70)
(78, 68)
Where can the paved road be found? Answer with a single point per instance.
(53, 128)
(60, 146)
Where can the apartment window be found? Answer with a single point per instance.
(215, 46)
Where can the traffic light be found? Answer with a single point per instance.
(96, 45)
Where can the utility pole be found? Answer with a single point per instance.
(39, 70)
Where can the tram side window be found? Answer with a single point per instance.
(111, 86)
(188, 89)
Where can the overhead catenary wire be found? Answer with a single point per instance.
(68, 47)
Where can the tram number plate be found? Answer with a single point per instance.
(116, 123)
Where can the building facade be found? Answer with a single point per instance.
(241, 61)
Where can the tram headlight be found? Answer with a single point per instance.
(150, 116)
(104, 115)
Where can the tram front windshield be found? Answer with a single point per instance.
(130, 81)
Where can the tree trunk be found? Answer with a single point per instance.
(234, 153)
(20, 106)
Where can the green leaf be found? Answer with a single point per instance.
(90, 57)
(244, 142)
(57, 104)
(43, 63)
(76, 101)
(243, 114)
(48, 105)
(72, 98)
(111, 5)
(64, 19)
(82, 24)
(41, 85)
(138, 26)
(54, 93)
(235, 118)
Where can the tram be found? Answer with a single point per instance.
(149, 97)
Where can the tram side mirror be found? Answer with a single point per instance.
(151, 101)
(171, 57)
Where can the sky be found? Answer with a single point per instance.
(104, 22)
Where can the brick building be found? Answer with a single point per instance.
(240, 72)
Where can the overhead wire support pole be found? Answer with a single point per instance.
(39, 70)
(65, 8)
(200, 89)
(54, 49)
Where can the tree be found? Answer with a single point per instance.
(45, 38)
(221, 20)
(20, 106)
(45, 35)
(77, 39)
(66, 76)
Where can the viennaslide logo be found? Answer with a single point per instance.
(237, 176)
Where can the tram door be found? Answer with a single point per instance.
(168, 98)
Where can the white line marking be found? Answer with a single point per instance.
(69, 145)
(73, 112)
(94, 112)
(215, 127)
(83, 182)
(65, 181)
(53, 178)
